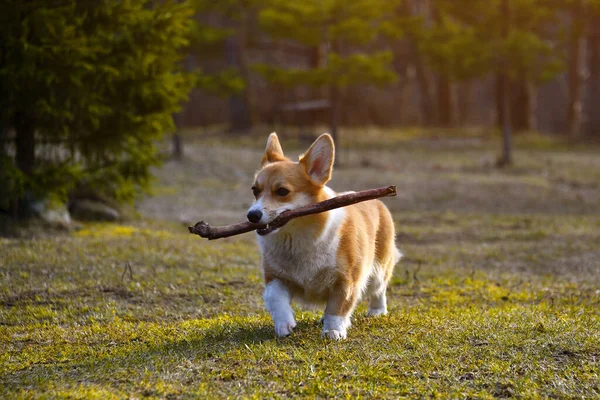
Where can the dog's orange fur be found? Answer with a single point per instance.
(361, 242)
(367, 234)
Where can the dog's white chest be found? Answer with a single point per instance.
(308, 262)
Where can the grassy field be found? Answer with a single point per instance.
(498, 295)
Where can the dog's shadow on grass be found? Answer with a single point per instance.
(236, 334)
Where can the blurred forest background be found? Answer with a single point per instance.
(484, 113)
(406, 62)
(89, 87)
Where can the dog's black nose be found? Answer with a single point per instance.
(254, 216)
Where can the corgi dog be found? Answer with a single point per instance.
(331, 258)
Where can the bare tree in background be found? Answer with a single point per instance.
(593, 117)
(236, 56)
(239, 106)
(413, 8)
(176, 139)
(503, 96)
(576, 52)
(463, 103)
(445, 94)
(522, 95)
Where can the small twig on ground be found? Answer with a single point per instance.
(516, 285)
(415, 277)
(215, 232)
(127, 268)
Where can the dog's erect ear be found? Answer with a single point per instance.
(273, 151)
(318, 159)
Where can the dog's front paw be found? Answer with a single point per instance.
(376, 311)
(284, 328)
(334, 335)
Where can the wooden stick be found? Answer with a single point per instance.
(216, 232)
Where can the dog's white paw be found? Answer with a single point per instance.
(346, 322)
(376, 311)
(334, 335)
(284, 328)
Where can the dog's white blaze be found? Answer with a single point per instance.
(335, 216)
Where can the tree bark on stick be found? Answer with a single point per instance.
(216, 232)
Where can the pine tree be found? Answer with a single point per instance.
(346, 29)
(87, 88)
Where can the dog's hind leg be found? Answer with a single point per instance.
(376, 290)
(377, 305)
(379, 280)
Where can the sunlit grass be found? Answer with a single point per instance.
(187, 319)
(498, 294)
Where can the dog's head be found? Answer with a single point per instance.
(281, 184)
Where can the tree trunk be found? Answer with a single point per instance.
(445, 101)
(503, 95)
(24, 152)
(3, 137)
(425, 100)
(177, 145)
(334, 104)
(334, 108)
(463, 103)
(504, 98)
(593, 98)
(500, 89)
(239, 103)
(317, 59)
(523, 104)
(176, 138)
(24, 141)
(574, 107)
(317, 56)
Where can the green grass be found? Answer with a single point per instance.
(485, 304)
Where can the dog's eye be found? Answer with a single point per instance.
(255, 191)
(282, 192)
